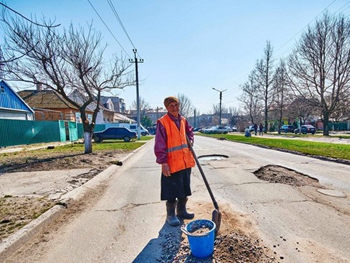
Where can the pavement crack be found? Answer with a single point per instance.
(126, 208)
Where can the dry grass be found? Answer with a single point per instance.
(17, 211)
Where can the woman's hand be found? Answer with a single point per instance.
(165, 169)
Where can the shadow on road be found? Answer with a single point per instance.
(164, 248)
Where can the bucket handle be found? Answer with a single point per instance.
(183, 229)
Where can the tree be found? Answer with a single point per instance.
(281, 98)
(186, 108)
(235, 116)
(216, 109)
(144, 105)
(250, 98)
(264, 76)
(320, 66)
(2, 19)
(342, 111)
(146, 121)
(64, 62)
(302, 109)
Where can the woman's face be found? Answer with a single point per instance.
(173, 109)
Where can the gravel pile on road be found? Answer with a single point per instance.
(236, 242)
(229, 247)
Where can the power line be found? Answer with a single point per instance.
(343, 7)
(120, 22)
(19, 14)
(108, 29)
(293, 37)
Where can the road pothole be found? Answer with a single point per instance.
(283, 175)
(212, 157)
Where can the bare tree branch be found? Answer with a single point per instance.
(65, 62)
(320, 66)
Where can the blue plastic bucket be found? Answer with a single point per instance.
(201, 244)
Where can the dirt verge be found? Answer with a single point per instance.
(18, 210)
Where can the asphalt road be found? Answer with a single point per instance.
(123, 219)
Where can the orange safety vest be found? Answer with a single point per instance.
(179, 155)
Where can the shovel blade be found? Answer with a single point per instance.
(216, 218)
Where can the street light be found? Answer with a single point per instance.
(220, 91)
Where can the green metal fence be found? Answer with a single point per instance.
(338, 126)
(22, 132)
(98, 127)
(62, 128)
(19, 132)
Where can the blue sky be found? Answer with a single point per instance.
(190, 46)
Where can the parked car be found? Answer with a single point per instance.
(132, 127)
(114, 133)
(221, 129)
(251, 128)
(215, 130)
(287, 128)
(305, 129)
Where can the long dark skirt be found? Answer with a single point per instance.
(178, 185)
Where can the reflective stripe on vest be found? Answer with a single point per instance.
(177, 148)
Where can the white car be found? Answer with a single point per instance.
(215, 130)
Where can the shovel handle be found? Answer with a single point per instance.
(202, 173)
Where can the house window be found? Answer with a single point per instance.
(2, 90)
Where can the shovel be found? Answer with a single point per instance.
(216, 214)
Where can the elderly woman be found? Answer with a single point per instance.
(172, 153)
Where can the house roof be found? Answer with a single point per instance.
(46, 99)
(11, 100)
(120, 117)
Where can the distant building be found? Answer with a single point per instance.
(118, 103)
(155, 114)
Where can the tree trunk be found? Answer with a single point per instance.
(325, 124)
(87, 142)
(266, 117)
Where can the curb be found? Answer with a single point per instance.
(11, 244)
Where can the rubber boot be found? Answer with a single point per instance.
(171, 217)
(181, 210)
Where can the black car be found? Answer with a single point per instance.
(287, 128)
(304, 129)
(115, 133)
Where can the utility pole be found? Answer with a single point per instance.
(220, 91)
(136, 61)
(195, 121)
